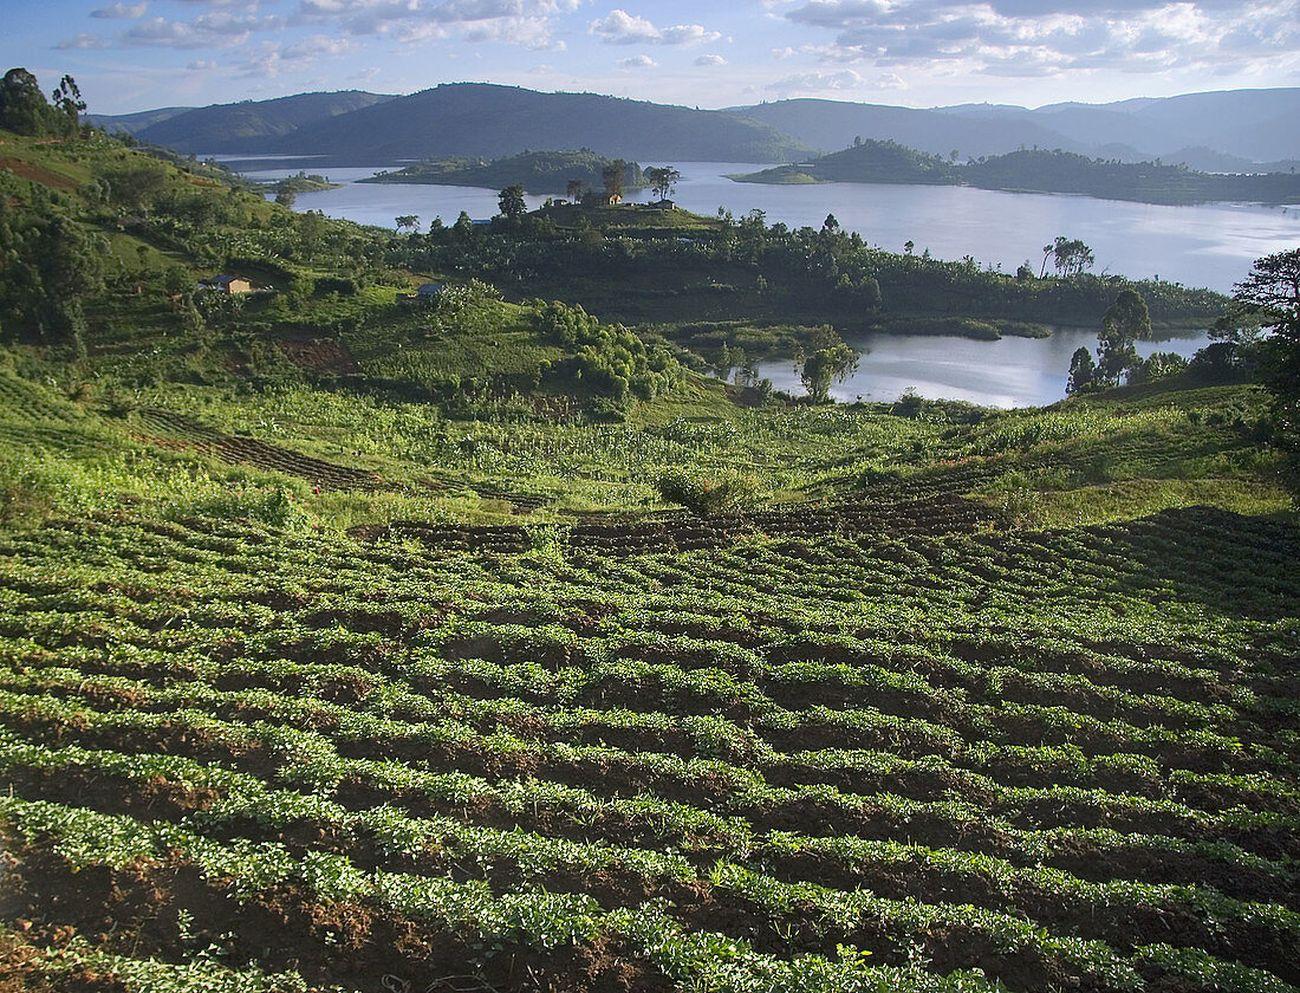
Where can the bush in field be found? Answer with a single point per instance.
(609, 359)
(708, 496)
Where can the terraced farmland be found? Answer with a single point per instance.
(874, 746)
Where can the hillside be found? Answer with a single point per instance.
(238, 127)
(1062, 172)
(536, 172)
(870, 161)
(1257, 125)
(478, 119)
(1036, 171)
(827, 125)
(135, 123)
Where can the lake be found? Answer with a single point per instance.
(1011, 372)
(1206, 245)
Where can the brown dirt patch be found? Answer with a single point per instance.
(36, 173)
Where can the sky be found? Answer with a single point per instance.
(131, 55)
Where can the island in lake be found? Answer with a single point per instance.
(536, 172)
(1035, 171)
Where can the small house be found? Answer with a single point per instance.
(429, 292)
(615, 199)
(229, 285)
(663, 205)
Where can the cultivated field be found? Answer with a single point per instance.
(889, 739)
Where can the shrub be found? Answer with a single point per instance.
(708, 496)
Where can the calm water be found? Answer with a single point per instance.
(1208, 245)
(1012, 372)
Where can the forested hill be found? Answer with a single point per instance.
(1150, 182)
(1036, 171)
(479, 119)
(240, 127)
(830, 124)
(536, 172)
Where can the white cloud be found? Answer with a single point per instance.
(618, 27)
(638, 62)
(710, 60)
(1052, 37)
(217, 28)
(528, 23)
(121, 11)
(83, 42)
(817, 82)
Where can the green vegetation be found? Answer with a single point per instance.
(357, 642)
(732, 290)
(1035, 171)
(536, 172)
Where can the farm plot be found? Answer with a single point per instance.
(878, 747)
(167, 426)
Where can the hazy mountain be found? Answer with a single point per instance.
(832, 124)
(1255, 125)
(1250, 127)
(135, 123)
(480, 119)
(239, 127)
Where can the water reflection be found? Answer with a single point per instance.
(1012, 372)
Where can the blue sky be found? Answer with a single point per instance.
(135, 54)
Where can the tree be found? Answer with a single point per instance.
(136, 183)
(1083, 371)
(1158, 366)
(1126, 320)
(663, 180)
(1271, 294)
(909, 247)
(408, 222)
(614, 176)
(69, 104)
(823, 367)
(286, 197)
(830, 225)
(23, 108)
(512, 203)
(1070, 256)
(574, 190)
(49, 266)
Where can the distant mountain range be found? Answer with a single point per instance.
(1231, 130)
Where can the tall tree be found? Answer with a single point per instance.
(574, 189)
(823, 367)
(512, 203)
(614, 176)
(1271, 295)
(1126, 320)
(408, 222)
(1071, 257)
(1083, 371)
(69, 104)
(663, 180)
